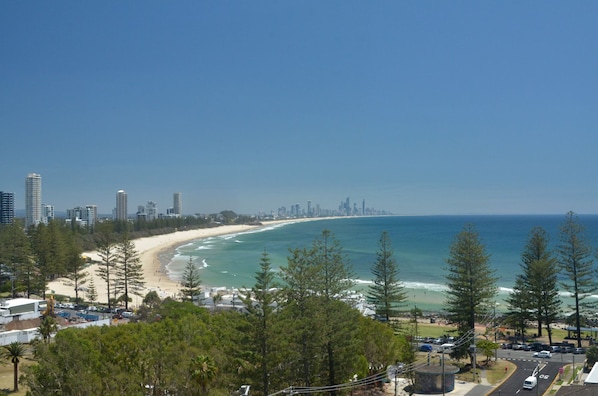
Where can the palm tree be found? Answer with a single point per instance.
(15, 351)
(47, 327)
(203, 370)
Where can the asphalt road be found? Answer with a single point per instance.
(547, 372)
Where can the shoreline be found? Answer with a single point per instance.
(152, 252)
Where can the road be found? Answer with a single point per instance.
(547, 371)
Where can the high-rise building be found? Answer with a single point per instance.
(151, 210)
(33, 199)
(82, 216)
(91, 215)
(177, 204)
(47, 213)
(7, 208)
(121, 206)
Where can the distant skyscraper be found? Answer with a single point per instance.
(177, 204)
(33, 199)
(121, 206)
(7, 208)
(151, 211)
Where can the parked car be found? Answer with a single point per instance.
(566, 349)
(543, 354)
(425, 348)
(518, 346)
(536, 346)
(579, 351)
(555, 349)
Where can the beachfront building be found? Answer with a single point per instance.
(33, 200)
(47, 213)
(121, 206)
(7, 207)
(151, 211)
(177, 204)
(21, 309)
(82, 216)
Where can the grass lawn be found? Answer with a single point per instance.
(7, 377)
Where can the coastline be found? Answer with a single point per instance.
(151, 251)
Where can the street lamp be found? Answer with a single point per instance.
(494, 329)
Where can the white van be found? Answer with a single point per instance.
(530, 382)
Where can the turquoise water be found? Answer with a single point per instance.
(421, 245)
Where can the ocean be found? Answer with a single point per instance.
(421, 245)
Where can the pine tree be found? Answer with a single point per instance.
(260, 302)
(520, 306)
(576, 263)
(191, 282)
(106, 243)
(15, 255)
(92, 292)
(470, 280)
(540, 276)
(128, 270)
(317, 279)
(75, 266)
(387, 293)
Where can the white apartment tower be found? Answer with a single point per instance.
(33, 199)
(177, 204)
(121, 206)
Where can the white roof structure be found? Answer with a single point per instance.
(592, 377)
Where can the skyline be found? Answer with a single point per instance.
(35, 205)
(420, 108)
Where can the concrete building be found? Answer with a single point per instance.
(121, 206)
(47, 213)
(21, 309)
(7, 208)
(177, 204)
(33, 200)
(151, 211)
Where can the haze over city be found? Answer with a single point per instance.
(417, 107)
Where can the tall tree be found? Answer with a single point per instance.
(191, 281)
(15, 351)
(106, 242)
(128, 270)
(49, 249)
(15, 255)
(386, 293)
(75, 266)
(92, 292)
(540, 276)
(334, 279)
(520, 306)
(576, 263)
(299, 308)
(260, 301)
(317, 279)
(470, 280)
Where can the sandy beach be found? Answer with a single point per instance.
(149, 250)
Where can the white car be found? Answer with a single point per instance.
(543, 354)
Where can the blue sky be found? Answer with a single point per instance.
(419, 107)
